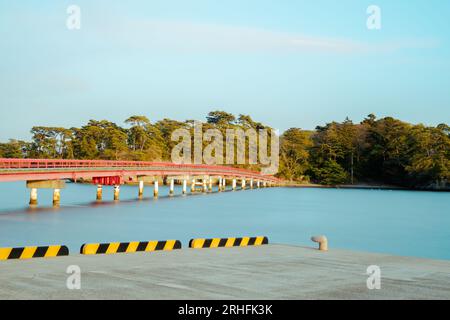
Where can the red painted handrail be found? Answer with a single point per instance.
(11, 164)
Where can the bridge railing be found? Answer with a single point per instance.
(12, 164)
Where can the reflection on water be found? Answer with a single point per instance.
(398, 222)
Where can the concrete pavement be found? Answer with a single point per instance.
(267, 272)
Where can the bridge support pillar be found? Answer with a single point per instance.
(251, 183)
(243, 184)
(99, 192)
(219, 185)
(171, 189)
(258, 184)
(224, 184)
(56, 197)
(156, 189)
(193, 186)
(234, 184)
(204, 185)
(264, 184)
(184, 186)
(210, 187)
(141, 189)
(56, 185)
(116, 193)
(33, 197)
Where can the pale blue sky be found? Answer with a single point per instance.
(286, 63)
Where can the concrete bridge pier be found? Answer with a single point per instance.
(171, 188)
(219, 185)
(210, 187)
(116, 192)
(243, 184)
(99, 192)
(224, 184)
(251, 183)
(141, 189)
(258, 184)
(56, 197)
(184, 186)
(193, 185)
(33, 197)
(56, 185)
(156, 189)
(204, 185)
(233, 186)
(264, 184)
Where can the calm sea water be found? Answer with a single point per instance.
(397, 222)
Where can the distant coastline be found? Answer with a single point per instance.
(362, 187)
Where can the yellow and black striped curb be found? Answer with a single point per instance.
(128, 247)
(227, 242)
(33, 252)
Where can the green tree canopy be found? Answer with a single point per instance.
(384, 150)
(220, 118)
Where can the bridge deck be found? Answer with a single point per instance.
(32, 169)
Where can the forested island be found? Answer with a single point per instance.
(374, 151)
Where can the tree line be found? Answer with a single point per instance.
(385, 150)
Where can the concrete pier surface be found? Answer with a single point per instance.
(266, 272)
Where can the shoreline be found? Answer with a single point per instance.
(306, 186)
(360, 187)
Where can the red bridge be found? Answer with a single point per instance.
(43, 173)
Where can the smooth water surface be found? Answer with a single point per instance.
(405, 223)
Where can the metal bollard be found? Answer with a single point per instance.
(323, 242)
